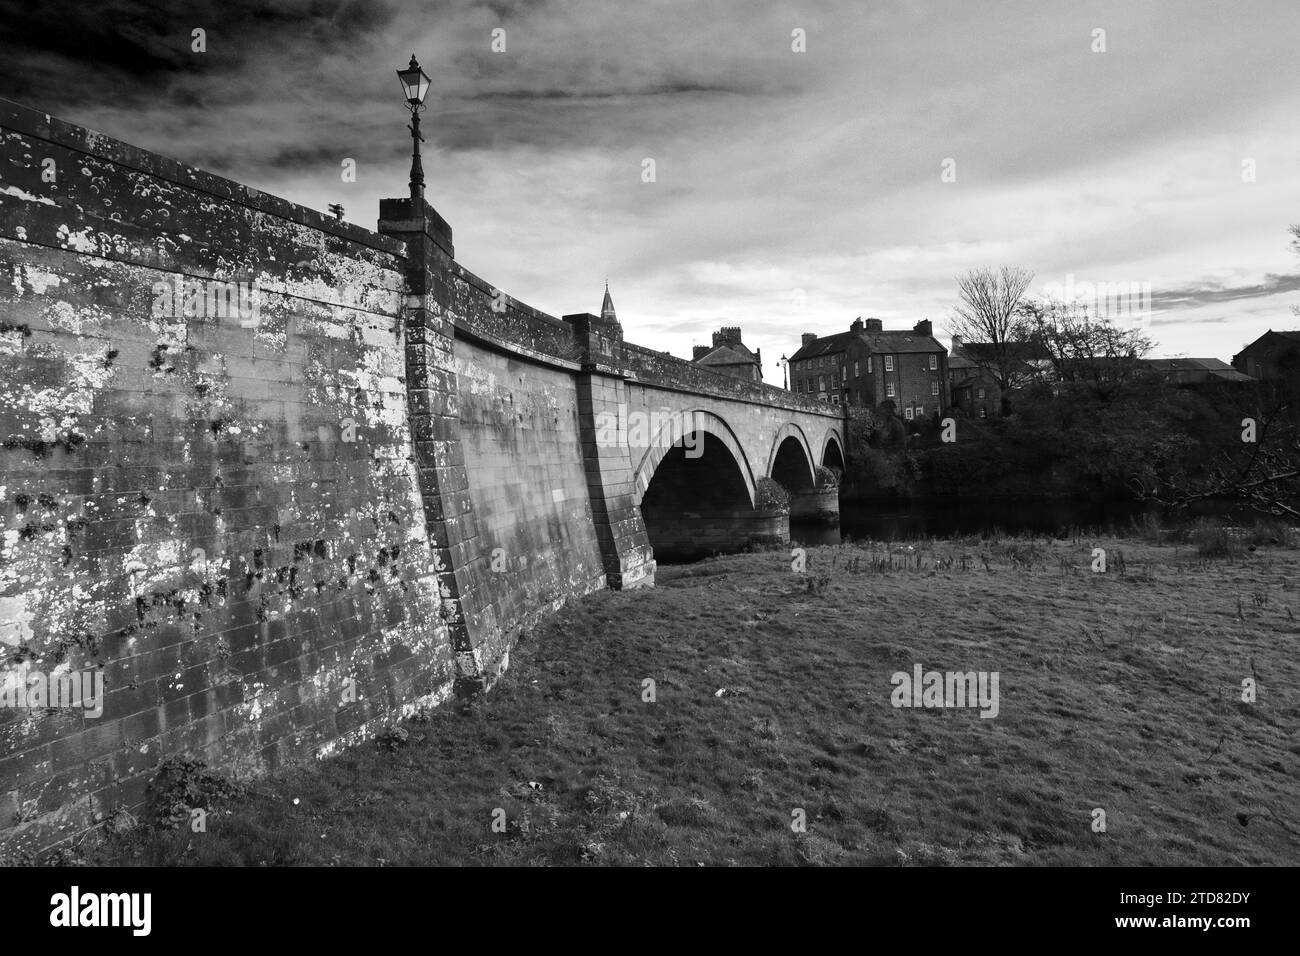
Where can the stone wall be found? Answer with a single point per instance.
(519, 431)
(218, 512)
(275, 480)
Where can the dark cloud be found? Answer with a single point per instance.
(776, 171)
(1213, 293)
(655, 89)
(71, 52)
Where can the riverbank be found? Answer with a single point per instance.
(908, 520)
(1119, 692)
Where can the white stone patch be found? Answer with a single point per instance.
(27, 197)
(150, 566)
(15, 619)
(80, 241)
(40, 280)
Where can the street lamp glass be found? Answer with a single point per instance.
(414, 82)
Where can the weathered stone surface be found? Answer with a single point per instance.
(273, 533)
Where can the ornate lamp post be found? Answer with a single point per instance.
(785, 373)
(415, 84)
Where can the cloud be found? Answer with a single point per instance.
(775, 170)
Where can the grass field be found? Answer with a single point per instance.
(1119, 691)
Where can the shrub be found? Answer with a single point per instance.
(770, 496)
(1213, 540)
(826, 478)
(1271, 531)
(183, 784)
(874, 471)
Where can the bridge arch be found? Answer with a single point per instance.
(668, 437)
(832, 451)
(792, 464)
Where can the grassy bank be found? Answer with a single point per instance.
(1118, 691)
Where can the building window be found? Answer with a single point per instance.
(980, 393)
(857, 372)
(934, 362)
(907, 413)
(889, 389)
(835, 382)
(868, 364)
(984, 412)
(934, 388)
(798, 386)
(821, 383)
(889, 363)
(843, 372)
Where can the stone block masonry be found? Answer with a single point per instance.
(225, 520)
(276, 527)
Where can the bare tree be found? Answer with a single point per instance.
(1262, 472)
(989, 318)
(1295, 247)
(1263, 469)
(1083, 348)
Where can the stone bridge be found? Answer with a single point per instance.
(278, 480)
(704, 447)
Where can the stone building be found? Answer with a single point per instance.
(730, 356)
(973, 387)
(869, 365)
(1193, 371)
(1273, 355)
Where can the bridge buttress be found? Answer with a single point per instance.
(433, 401)
(602, 422)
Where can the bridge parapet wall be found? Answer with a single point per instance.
(668, 371)
(215, 512)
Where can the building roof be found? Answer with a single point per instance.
(1291, 336)
(1180, 364)
(1210, 366)
(730, 354)
(985, 353)
(888, 342)
(957, 361)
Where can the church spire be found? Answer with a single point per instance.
(607, 307)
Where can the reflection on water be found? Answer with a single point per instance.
(921, 519)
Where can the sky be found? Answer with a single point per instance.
(793, 189)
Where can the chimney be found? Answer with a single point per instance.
(956, 343)
(856, 325)
(875, 325)
(700, 351)
(809, 337)
(924, 328)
